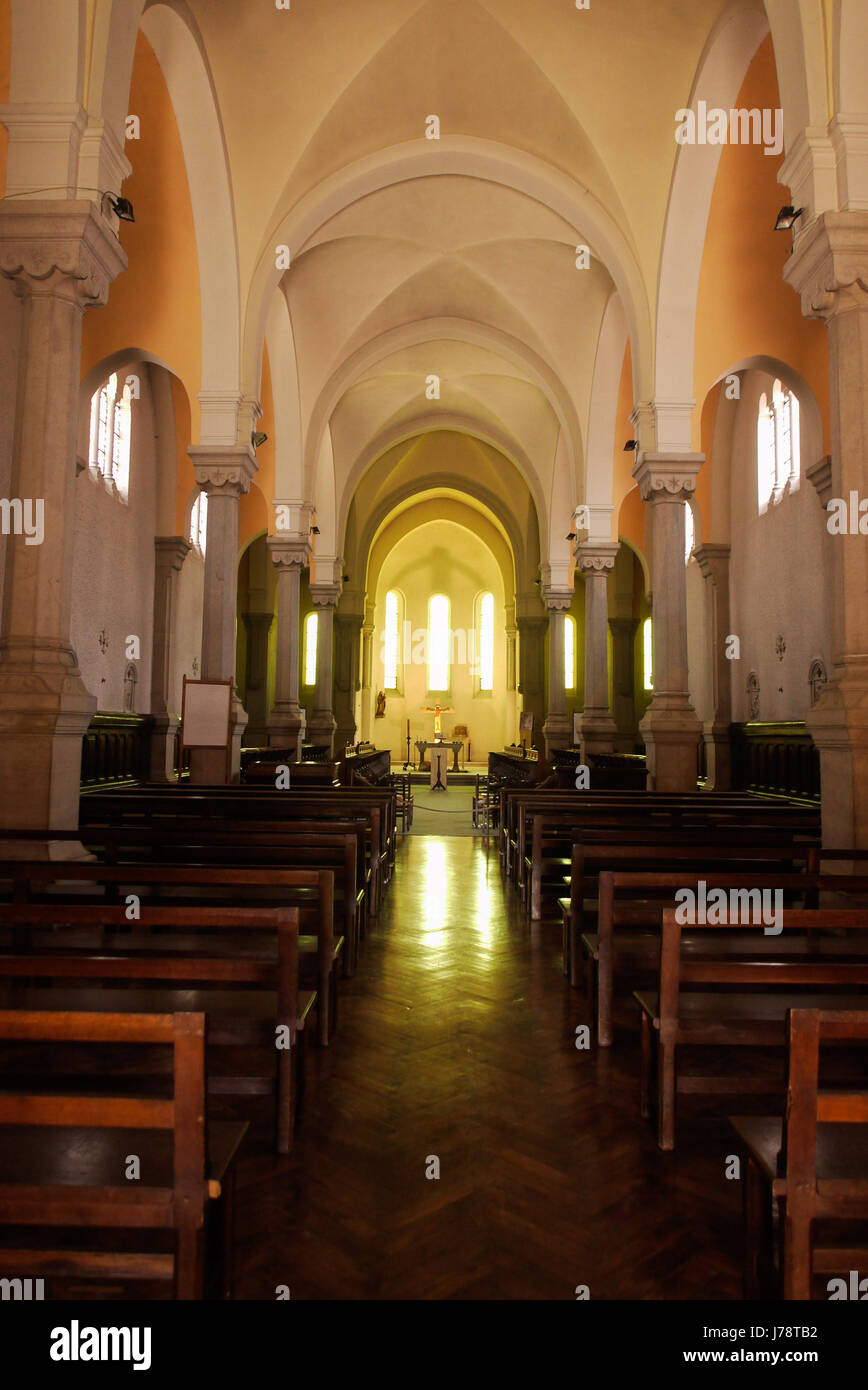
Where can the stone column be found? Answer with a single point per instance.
(61, 257)
(223, 471)
(596, 560)
(367, 669)
(348, 630)
(713, 561)
(169, 555)
(321, 729)
(531, 681)
(829, 270)
(558, 726)
(670, 728)
(286, 723)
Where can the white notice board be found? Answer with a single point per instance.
(206, 716)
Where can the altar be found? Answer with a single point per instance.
(423, 745)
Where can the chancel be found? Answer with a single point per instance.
(434, 606)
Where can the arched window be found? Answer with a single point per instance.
(485, 625)
(311, 623)
(569, 652)
(438, 643)
(689, 532)
(777, 445)
(110, 435)
(198, 534)
(391, 641)
(647, 655)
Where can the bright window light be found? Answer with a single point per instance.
(311, 624)
(647, 654)
(486, 642)
(569, 653)
(438, 642)
(390, 646)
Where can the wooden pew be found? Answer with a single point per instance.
(663, 809)
(148, 806)
(225, 844)
(636, 901)
(516, 804)
(809, 1164)
(728, 1019)
(310, 891)
(553, 833)
(644, 852)
(62, 1166)
(195, 816)
(168, 973)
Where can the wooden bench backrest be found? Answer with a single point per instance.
(676, 970)
(126, 1204)
(25, 876)
(807, 1197)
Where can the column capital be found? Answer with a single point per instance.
(596, 557)
(171, 551)
(712, 560)
(667, 477)
(224, 469)
(289, 553)
(65, 248)
(325, 595)
(557, 600)
(828, 267)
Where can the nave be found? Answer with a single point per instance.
(457, 1039)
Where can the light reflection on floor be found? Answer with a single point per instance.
(441, 907)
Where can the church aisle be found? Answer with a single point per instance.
(457, 1040)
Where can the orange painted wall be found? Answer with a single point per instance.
(745, 307)
(154, 305)
(5, 67)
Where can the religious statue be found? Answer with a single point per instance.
(437, 710)
(381, 705)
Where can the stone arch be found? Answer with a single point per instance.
(473, 158)
(413, 518)
(172, 32)
(799, 35)
(399, 434)
(524, 552)
(288, 475)
(851, 56)
(460, 330)
(602, 416)
(725, 60)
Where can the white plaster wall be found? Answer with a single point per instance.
(113, 567)
(187, 646)
(778, 584)
(442, 557)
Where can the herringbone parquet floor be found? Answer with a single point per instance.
(457, 1041)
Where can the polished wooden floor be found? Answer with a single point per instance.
(457, 1040)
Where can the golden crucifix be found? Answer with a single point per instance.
(437, 710)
